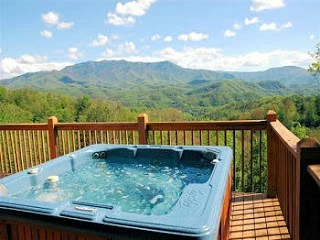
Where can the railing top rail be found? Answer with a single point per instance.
(286, 136)
(97, 126)
(216, 125)
(24, 126)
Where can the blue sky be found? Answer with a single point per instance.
(230, 35)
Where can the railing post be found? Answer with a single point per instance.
(142, 128)
(271, 156)
(53, 137)
(307, 192)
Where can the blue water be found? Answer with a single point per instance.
(144, 189)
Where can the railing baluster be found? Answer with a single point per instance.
(90, 138)
(2, 155)
(63, 142)
(84, 139)
(242, 160)
(177, 141)
(192, 137)
(169, 138)
(68, 144)
(120, 136)
(114, 136)
(16, 167)
(107, 137)
(43, 146)
(38, 147)
(101, 136)
(16, 146)
(251, 161)
(234, 159)
(21, 150)
(260, 160)
(34, 146)
(161, 137)
(30, 148)
(8, 152)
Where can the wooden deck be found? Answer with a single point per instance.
(253, 216)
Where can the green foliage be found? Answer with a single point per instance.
(11, 113)
(314, 68)
(26, 105)
(300, 114)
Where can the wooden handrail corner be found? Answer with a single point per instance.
(271, 116)
(308, 143)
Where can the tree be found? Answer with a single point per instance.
(314, 68)
(81, 105)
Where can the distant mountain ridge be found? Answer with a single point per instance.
(124, 74)
(165, 84)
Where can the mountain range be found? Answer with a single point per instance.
(136, 83)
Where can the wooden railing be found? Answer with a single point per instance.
(267, 156)
(288, 158)
(23, 146)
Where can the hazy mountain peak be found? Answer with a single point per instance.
(123, 74)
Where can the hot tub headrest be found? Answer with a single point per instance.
(191, 155)
(159, 153)
(121, 152)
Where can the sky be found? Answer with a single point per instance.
(223, 35)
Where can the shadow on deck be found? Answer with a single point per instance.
(254, 216)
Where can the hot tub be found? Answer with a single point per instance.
(121, 192)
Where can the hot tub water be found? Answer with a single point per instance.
(137, 188)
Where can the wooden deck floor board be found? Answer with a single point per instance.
(254, 216)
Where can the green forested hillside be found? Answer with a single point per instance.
(107, 78)
(301, 114)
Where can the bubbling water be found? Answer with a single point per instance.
(137, 188)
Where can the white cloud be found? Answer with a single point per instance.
(127, 48)
(11, 67)
(274, 26)
(286, 25)
(108, 53)
(261, 5)
(116, 20)
(168, 39)
(46, 34)
(101, 41)
(237, 26)
(51, 18)
(125, 12)
(214, 59)
(311, 37)
(26, 58)
(249, 21)
(123, 50)
(229, 33)
(0, 50)
(155, 37)
(269, 27)
(135, 8)
(65, 25)
(74, 53)
(193, 36)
